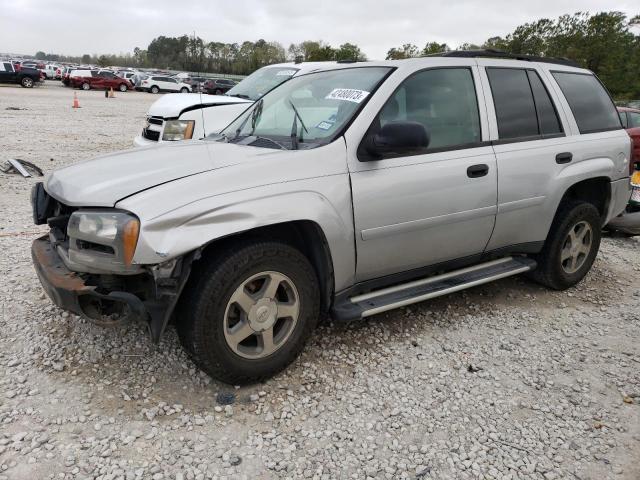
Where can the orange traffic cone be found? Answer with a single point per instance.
(76, 103)
(111, 94)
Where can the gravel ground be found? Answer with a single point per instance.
(504, 381)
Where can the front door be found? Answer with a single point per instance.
(438, 204)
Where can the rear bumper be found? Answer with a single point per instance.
(67, 289)
(620, 194)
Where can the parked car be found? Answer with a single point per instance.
(196, 83)
(182, 117)
(101, 79)
(628, 222)
(218, 86)
(161, 83)
(420, 169)
(25, 76)
(50, 71)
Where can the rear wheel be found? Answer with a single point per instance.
(122, 87)
(184, 90)
(26, 82)
(571, 247)
(218, 92)
(248, 313)
(154, 89)
(86, 86)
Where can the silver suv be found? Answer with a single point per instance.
(345, 192)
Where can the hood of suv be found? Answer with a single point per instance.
(103, 181)
(174, 104)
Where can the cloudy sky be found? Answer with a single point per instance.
(75, 27)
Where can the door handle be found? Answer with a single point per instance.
(476, 171)
(564, 157)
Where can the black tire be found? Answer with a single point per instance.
(218, 92)
(550, 271)
(184, 90)
(122, 87)
(26, 82)
(154, 89)
(86, 86)
(204, 302)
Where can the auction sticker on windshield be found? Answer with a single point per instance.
(286, 73)
(347, 94)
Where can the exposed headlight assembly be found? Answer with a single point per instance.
(103, 238)
(178, 130)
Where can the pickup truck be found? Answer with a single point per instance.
(348, 192)
(194, 115)
(25, 76)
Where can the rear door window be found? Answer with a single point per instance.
(522, 103)
(623, 119)
(590, 103)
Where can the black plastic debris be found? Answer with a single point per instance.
(225, 398)
(473, 369)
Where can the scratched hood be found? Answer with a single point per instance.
(105, 180)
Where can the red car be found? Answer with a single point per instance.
(102, 80)
(630, 118)
(628, 222)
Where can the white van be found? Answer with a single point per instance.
(192, 116)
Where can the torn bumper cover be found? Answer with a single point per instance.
(67, 288)
(69, 291)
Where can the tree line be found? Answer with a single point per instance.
(603, 42)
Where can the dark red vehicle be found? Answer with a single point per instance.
(102, 80)
(630, 118)
(628, 222)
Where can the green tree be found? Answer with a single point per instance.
(40, 55)
(408, 50)
(86, 58)
(435, 47)
(349, 51)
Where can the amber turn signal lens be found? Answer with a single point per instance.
(635, 178)
(130, 240)
(188, 132)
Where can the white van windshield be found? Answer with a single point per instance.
(261, 81)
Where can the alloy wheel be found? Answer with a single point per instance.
(576, 247)
(261, 315)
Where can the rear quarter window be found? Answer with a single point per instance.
(590, 103)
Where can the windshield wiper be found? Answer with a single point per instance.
(239, 95)
(294, 127)
(257, 105)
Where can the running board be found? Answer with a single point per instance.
(378, 301)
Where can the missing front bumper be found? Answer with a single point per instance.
(69, 291)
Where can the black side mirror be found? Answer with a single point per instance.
(397, 138)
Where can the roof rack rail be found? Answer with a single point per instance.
(494, 53)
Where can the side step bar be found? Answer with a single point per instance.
(378, 301)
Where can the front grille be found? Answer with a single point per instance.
(155, 120)
(150, 134)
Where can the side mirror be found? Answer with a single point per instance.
(397, 138)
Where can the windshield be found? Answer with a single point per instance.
(307, 111)
(261, 81)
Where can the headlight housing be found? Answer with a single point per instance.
(178, 130)
(105, 239)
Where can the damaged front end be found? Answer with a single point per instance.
(89, 277)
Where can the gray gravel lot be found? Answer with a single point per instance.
(504, 381)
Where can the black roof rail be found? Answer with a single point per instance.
(494, 53)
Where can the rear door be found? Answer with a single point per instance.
(439, 203)
(6, 72)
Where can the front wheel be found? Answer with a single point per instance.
(154, 89)
(184, 90)
(122, 87)
(247, 314)
(27, 82)
(571, 246)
